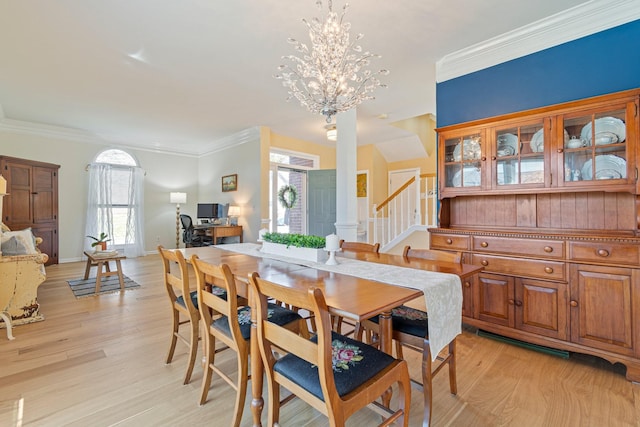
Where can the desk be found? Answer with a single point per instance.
(347, 296)
(95, 259)
(218, 231)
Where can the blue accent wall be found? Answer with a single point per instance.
(605, 62)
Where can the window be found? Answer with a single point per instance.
(115, 201)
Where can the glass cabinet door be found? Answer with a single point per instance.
(462, 161)
(595, 146)
(518, 156)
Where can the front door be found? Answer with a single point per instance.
(322, 202)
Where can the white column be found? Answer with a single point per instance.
(346, 170)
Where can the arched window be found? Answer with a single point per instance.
(115, 201)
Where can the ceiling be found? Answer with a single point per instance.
(180, 76)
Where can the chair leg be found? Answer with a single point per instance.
(273, 412)
(174, 335)
(193, 350)
(241, 391)
(210, 353)
(426, 384)
(399, 354)
(453, 383)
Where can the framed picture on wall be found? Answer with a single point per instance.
(361, 183)
(230, 182)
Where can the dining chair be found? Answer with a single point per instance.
(411, 330)
(227, 318)
(337, 321)
(334, 374)
(184, 305)
(360, 247)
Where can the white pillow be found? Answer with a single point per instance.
(24, 238)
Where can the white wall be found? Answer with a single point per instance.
(164, 173)
(243, 160)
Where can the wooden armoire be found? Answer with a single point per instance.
(32, 200)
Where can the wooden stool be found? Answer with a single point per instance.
(98, 260)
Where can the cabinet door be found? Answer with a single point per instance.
(468, 289)
(541, 307)
(602, 307)
(462, 161)
(45, 203)
(17, 210)
(518, 156)
(594, 150)
(495, 298)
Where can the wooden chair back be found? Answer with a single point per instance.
(272, 337)
(360, 247)
(212, 305)
(432, 254)
(176, 281)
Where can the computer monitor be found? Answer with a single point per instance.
(209, 210)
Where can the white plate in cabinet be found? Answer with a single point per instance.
(525, 247)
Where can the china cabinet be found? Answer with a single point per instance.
(547, 201)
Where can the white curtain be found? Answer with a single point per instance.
(119, 191)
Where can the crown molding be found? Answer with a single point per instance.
(77, 135)
(238, 138)
(579, 21)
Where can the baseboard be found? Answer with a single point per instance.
(542, 349)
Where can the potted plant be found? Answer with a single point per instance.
(100, 243)
(301, 246)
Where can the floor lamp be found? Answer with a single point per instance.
(178, 198)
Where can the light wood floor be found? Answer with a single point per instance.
(99, 361)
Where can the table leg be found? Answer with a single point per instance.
(87, 269)
(120, 278)
(99, 276)
(257, 370)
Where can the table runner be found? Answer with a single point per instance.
(442, 291)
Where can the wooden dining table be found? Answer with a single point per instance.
(347, 296)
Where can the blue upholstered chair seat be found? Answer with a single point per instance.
(277, 314)
(194, 296)
(408, 320)
(354, 363)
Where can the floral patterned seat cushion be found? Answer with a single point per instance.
(354, 363)
(277, 314)
(409, 321)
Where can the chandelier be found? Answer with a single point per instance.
(331, 76)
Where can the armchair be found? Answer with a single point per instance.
(21, 272)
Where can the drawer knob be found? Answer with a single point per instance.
(484, 262)
(573, 303)
(484, 244)
(548, 270)
(603, 252)
(518, 303)
(449, 241)
(512, 302)
(548, 249)
(467, 284)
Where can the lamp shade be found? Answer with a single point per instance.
(234, 211)
(332, 132)
(177, 198)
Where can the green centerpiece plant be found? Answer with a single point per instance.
(299, 246)
(297, 240)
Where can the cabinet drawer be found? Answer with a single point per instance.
(527, 247)
(552, 270)
(605, 253)
(450, 242)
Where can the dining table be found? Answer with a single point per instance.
(352, 290)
